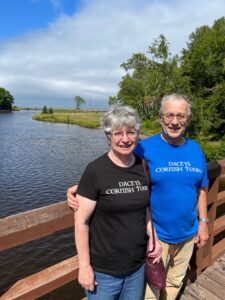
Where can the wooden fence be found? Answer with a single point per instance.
(21, 228)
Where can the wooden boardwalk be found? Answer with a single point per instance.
(210, 285)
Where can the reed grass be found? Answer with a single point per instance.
(89, 119)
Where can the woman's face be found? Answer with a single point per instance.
(123, 140)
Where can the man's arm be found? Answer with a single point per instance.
(71, 198)
(156, 253)
(203, 233)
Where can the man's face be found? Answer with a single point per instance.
(174, 120)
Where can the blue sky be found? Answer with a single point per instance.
(18, 17)
(54, 50)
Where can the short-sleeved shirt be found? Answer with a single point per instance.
(176, 174)
(117, 229)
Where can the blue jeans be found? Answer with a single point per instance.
(127, 287)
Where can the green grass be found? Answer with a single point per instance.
(89, 119)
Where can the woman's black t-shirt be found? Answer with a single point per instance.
(117, 229)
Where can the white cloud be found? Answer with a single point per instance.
(81, 55)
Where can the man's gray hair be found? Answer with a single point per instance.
(120, 116)
(175, 97)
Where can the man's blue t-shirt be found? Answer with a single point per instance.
(176, 174)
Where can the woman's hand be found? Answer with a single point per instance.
(71, 198)
(86, 278)
(157, 252)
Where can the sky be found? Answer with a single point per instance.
(54, 50)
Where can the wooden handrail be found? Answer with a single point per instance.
(24, 227)
(206, 255)
(43, 282)
(28, 226)
(221, 198)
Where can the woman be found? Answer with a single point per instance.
(110, 224)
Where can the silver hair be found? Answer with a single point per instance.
(175, 97)
(119, 116)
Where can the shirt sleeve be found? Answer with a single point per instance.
(87, 186)
(139, 151)
(204, 181)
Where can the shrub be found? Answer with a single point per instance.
(213, 150)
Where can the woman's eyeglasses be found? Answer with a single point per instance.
(118, 135)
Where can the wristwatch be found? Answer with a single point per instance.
(203, 220)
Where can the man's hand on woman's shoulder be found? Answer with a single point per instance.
(71, 198)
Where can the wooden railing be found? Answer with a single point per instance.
(22, 228)
(206, 255)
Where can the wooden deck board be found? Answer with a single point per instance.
(213, 274)
(210, 285)
(187, 297)
(222, 258)
(200, 293)
(219, 265)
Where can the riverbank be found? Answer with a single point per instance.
(88, 119)
(91, 119)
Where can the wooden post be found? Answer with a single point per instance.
(204, 254)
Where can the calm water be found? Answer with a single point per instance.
(38, 162)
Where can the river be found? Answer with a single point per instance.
(38, 162)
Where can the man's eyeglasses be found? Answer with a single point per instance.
(117, 135)
(170, 117)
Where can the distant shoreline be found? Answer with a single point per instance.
(88, 119)
(214, 150)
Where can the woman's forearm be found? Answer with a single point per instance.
(82, 217)
(82, 243)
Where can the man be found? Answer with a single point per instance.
(178, 192)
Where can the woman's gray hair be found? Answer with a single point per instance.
(119, 116)
(175, 97)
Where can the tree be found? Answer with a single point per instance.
(78, 101)
(203, 63)
(44, 110)
(50, 111)
(199, 73)
(6, 99)
(149, 77)
(112, 100)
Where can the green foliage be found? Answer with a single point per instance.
(199, 73)
(50, 111)
(44, 110)
(150, 127)
(149, 77)
(213, 150)
(203, 60)
(6, 99)
(203, 63)
(112, 100)
(78, 101)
